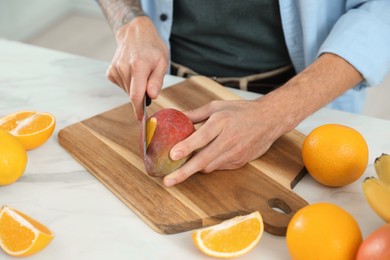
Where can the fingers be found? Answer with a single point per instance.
(139, 79)
(229, 138)
(197, 163)
(226, 161)
(204, 138)
(156, 77)
(113, 74)
(207, 160)
(200, 138)
(145, 78)
(136, 78)
(202, 113)
(140, 62)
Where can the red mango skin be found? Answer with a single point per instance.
(376, 246)
(172, 127)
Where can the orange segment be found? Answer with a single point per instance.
(231, 238)
(21, 235)
(31, 128)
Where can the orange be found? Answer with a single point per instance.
(20, 235)
(323, 231)
(13, 159)
(230, 238)
(335, 155)
(31, 128)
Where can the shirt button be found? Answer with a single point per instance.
(163, 17)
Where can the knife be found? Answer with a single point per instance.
(147, 102)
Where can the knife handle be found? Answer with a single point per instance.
(148, 101)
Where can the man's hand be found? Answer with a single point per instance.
(140, 61)
(236, 132)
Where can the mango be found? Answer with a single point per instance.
(171, 127)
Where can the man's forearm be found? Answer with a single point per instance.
(320, 83)
(120, 12)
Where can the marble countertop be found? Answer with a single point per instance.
(89, 222)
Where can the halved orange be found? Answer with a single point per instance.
(230, 238)
(20, 235)
(30, 127)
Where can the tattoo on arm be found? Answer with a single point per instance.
(120, 12)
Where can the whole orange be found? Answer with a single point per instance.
(323, 231)
(335, 155)
(13, 158)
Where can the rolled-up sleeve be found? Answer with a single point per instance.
(362, 37)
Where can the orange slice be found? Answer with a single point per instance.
(31, 128)
(21, 235)
(231, 238)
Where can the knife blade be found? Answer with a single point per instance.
(147, 102)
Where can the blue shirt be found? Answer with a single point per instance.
(356, 30)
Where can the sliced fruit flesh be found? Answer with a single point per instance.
(19, 231)
(26, 123)
(10, 123)
(33, 124)
(151, 125)
(221, 240)
(15, 241)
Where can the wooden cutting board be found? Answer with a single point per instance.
(107, 146)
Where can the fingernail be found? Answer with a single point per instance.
(170, 182)
(176, 155)
(154, 91)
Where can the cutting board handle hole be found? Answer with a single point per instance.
(279, 205)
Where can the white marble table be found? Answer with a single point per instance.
(88, 220)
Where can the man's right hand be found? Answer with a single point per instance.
(140, 61)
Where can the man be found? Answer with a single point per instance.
(336, 48)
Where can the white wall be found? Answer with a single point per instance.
(19, 19)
